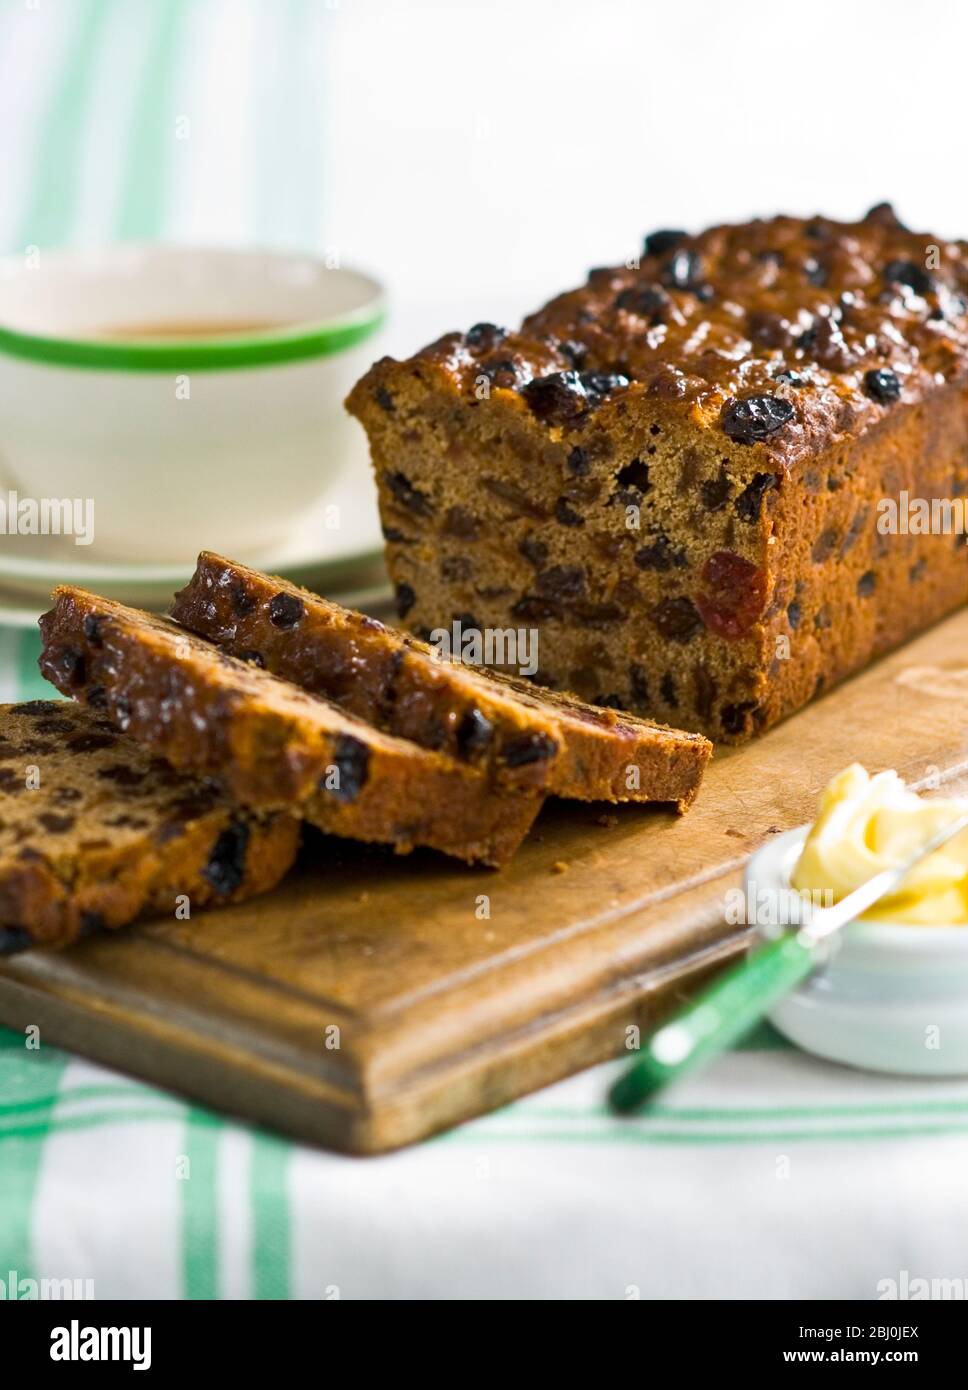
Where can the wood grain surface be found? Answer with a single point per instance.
(373, 1000)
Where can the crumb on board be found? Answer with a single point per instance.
(559, 867)
(606, 821)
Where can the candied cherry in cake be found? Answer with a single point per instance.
(732, 595)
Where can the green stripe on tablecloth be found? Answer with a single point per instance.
(53, 201)
(35, 1076)
(27, 1077)
(522, 1110)
(144, 181)
(633, 1135)
(11, 1111)
(270, 1216)
(34, 1129)
(286, 212)
(199, 1228)
(29, 1091)
(270, 1159)
(199, 1207)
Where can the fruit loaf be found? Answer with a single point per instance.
(269, 743)
(683, 473)
(514, 731)
(95, 832)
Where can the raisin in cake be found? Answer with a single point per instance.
(513, 731)
(94, 831)
(675, 473)
(269, 743)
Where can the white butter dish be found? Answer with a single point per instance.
(890, 998)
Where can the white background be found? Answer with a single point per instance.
(480, 157)
(483, 156)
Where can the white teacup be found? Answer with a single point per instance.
(193, 396)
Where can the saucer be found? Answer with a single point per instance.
(317, 553)
(192, 396)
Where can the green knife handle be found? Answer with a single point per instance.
(714, 1021)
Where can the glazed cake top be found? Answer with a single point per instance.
(783, 333)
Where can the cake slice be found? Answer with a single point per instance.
(95, 832)
(518, 733)
(268, 742)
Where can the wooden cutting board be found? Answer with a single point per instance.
(372, 1000)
